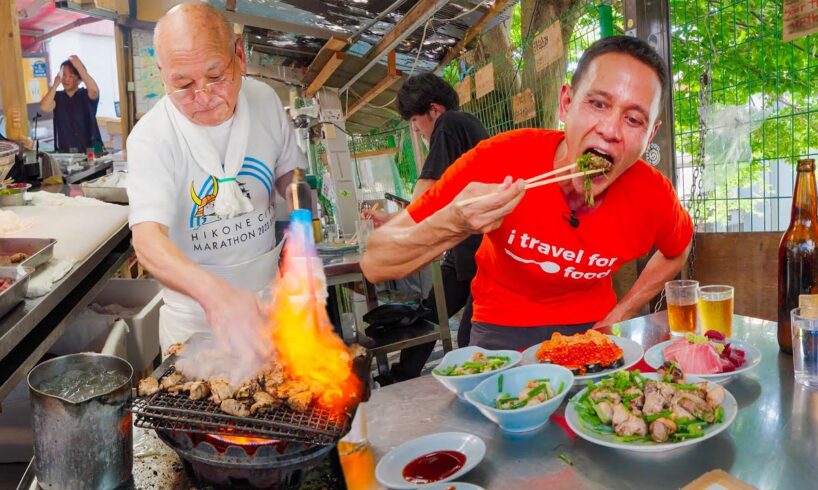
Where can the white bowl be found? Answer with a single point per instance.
(462, 384)
(452, 485)
(389, 471)
(514, 380)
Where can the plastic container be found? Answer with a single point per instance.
(143, 339)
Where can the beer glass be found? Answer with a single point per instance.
(805, 346)
(716, 309)
(681, 297)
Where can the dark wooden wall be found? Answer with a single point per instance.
(746, 261)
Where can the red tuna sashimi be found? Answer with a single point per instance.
(694, 358)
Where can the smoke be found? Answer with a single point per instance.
(207, 355)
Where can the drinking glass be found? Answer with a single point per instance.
(681, 297)
(804, 323)
(716, 309)
(365, 228)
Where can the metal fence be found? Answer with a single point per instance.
(744, 109)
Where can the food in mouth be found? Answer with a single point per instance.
(591, 160)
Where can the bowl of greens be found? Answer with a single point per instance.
(523, 398)
(463, 369)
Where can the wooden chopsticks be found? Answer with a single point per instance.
(541, 180)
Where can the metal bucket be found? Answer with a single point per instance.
(84, 445)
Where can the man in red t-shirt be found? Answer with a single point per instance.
(546, 260)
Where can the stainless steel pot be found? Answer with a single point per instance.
(84, 445)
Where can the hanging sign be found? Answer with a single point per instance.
(463, 90)
(800, 18)
(523, 107)
(484, 80)
(548, 46)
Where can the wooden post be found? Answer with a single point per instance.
(12, 88)
(123, 57)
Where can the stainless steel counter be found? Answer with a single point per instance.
(773, 443)
(29, 330)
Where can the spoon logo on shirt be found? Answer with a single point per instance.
(578, 260)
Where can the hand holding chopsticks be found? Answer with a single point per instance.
(541, 180)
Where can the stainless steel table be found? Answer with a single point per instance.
(773, 443)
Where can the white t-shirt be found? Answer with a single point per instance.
(166, 186)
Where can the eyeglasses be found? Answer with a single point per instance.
(188, 95)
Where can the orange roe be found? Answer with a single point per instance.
(578, 351)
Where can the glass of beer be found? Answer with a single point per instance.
(681, 297)
(716, 309)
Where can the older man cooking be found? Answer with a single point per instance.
(204, 165)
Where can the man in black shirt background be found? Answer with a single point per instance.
(74, 108)
(432, 106)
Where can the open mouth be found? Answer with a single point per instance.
(596, 159)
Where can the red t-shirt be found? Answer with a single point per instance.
(536, 269)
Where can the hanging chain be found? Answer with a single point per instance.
(697, 186)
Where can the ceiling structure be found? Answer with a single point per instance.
(429, 30)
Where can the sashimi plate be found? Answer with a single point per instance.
(655, 357)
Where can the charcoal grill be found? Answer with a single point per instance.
(298, 441)
(177, 412)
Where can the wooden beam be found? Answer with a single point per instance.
(410, 22)
(329, 68)
(12, 89)
(67, 27)
(473, 31)
(123, 70)
(319, 64)
(384, 84)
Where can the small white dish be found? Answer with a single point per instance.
(389, 471)
(655, 357)
(452, 485)
(523, 419)
(461, 384)
(631, 353)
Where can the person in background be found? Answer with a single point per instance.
(432, 106)
(74, 108)
(548, 253)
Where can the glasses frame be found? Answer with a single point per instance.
(179, 95)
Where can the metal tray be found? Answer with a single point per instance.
(118, 195)
(17, 292)
(39, 250)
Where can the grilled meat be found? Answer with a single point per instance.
(220, 389)
(174, 349)
(264, 402)
(300, 402)
(198, 390)
(148, 386)
(661, 429)
(234, 407)
(171, 380)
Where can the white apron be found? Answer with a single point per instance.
(181, 316)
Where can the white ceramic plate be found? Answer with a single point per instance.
(631, 351)
(654, 358)
(609, 440)
(456, 485)
(389, 471)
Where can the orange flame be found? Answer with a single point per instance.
(242, 441)
(303, 335)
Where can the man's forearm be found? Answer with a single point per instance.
(400, 247)
(166, 262)
(90, 84)
(650, 282)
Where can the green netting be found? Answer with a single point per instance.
(729, 61)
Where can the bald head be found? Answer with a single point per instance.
(198, 55)
(190, 25)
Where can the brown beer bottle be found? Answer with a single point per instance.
(798, 252)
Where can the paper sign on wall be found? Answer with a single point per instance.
(800, 18)
(484, 80)
(548, 46)
(523, 107)
(463, 90)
